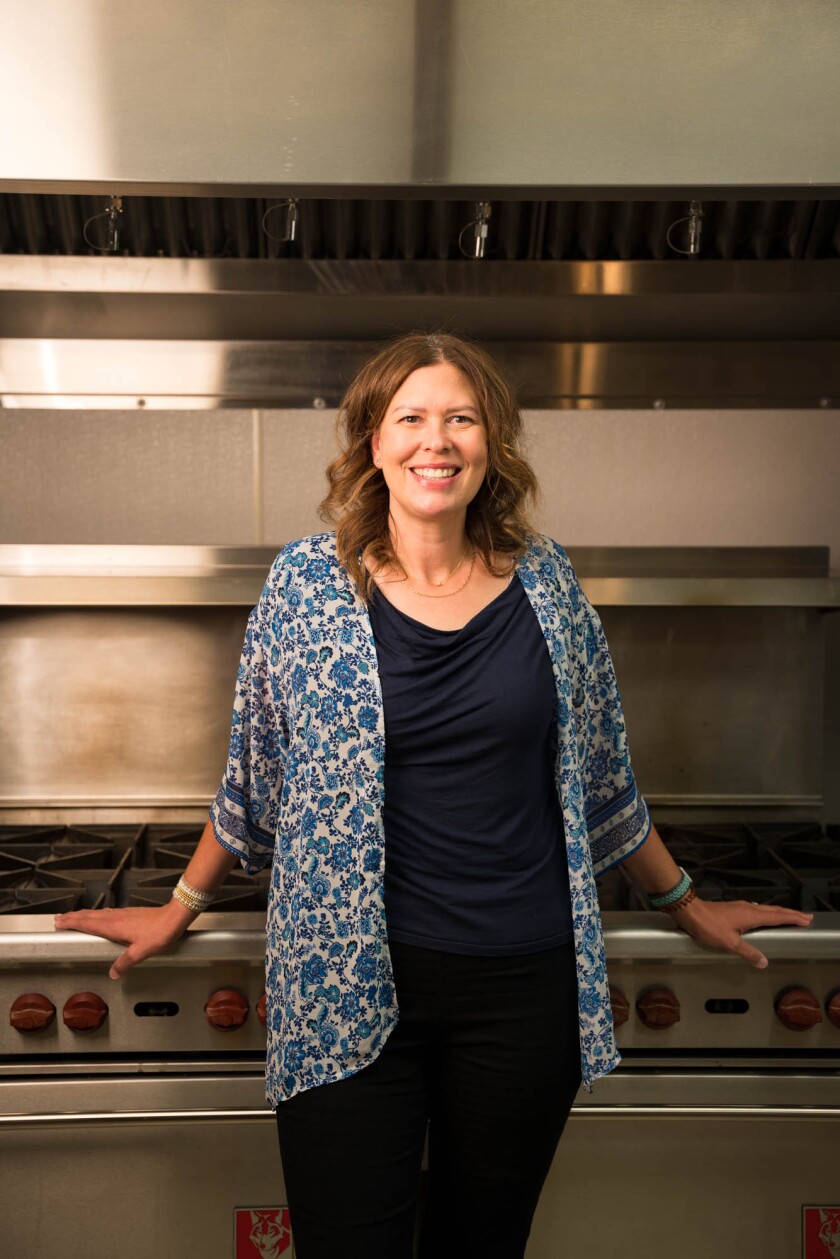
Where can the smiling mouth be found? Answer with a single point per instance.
(435, 474)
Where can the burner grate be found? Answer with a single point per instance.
(793, 864)
(52, 869)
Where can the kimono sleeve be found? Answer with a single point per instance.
(244, 813)
(617, 816)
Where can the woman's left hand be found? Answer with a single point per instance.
(723, 924)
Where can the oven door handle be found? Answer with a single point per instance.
(667, 1111)
(72, 1119)
(80, 1118)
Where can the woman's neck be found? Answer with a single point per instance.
(430, 550)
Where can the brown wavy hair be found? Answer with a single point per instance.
(497, 523)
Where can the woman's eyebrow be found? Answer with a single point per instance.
(404, 406)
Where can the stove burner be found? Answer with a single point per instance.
(54, 869)
(795, 864)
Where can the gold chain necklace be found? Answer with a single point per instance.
(448, 576)
(425, 594)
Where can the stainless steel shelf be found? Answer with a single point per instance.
(194, 576)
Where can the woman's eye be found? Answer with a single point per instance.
(409, 419)
(463, 419)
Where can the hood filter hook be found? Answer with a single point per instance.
(113, 213)
(694, 219)
(480, 230)
(290, 209)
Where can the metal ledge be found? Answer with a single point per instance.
(63, 372)
(194, 576)
(63, 275)
(27, 939)
(243, 590)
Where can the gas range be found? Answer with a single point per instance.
(53, 869)
(207, 995)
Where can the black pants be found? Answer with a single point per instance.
(486, 1050)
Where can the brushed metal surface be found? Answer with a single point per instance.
(64, 275)
(715, 562)
(721, 701)
(243, 590)
(302, 299)
(297, 96)
(28, 939)
(172, 576)
(108, 374)
(130, 704)
(628, 1090)
(728, 1184)
(227, 951)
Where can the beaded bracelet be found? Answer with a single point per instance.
(666, 900)
(690, 896)
(191, 898)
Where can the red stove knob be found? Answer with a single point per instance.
(31, 1012)
(832, 1008)
(798, 1009)
(84, 1012)
(227, 1009)
(620, 1006)
(658, 1008)
(261, 1011)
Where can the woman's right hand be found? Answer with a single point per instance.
(145, 931)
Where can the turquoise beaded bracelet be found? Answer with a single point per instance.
(676, 893)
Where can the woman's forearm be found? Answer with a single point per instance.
(652, 866)
(210, 864)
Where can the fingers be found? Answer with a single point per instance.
(779, 916)
(95, 922)
(124, 963)
(749, 954)
(759, 916)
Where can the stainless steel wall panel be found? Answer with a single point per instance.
(127, 710)
(695, 477)
(130, 709)
(297, 447)
(130, 476)
(722, 701)
(295, 95)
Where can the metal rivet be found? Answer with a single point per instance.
(319, 403)
(659, 404)
(825, 402)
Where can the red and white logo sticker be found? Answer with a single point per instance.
(821, 1232)
(262, 1233)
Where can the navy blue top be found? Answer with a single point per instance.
(475, 857)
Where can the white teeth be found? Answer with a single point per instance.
(436, 474)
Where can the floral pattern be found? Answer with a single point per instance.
(303, 791)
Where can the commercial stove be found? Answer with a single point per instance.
(153, 1085)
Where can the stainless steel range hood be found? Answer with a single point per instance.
(392, 96)
(586, 126)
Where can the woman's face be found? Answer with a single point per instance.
(432, 446)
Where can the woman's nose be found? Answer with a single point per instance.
(437, 436)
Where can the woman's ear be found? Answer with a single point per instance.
(374, 447)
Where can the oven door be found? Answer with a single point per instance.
(714, 1160)
(139, 1165)
(656, 1162)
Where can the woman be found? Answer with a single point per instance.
(428, 685)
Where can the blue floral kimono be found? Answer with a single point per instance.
(303, 790)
